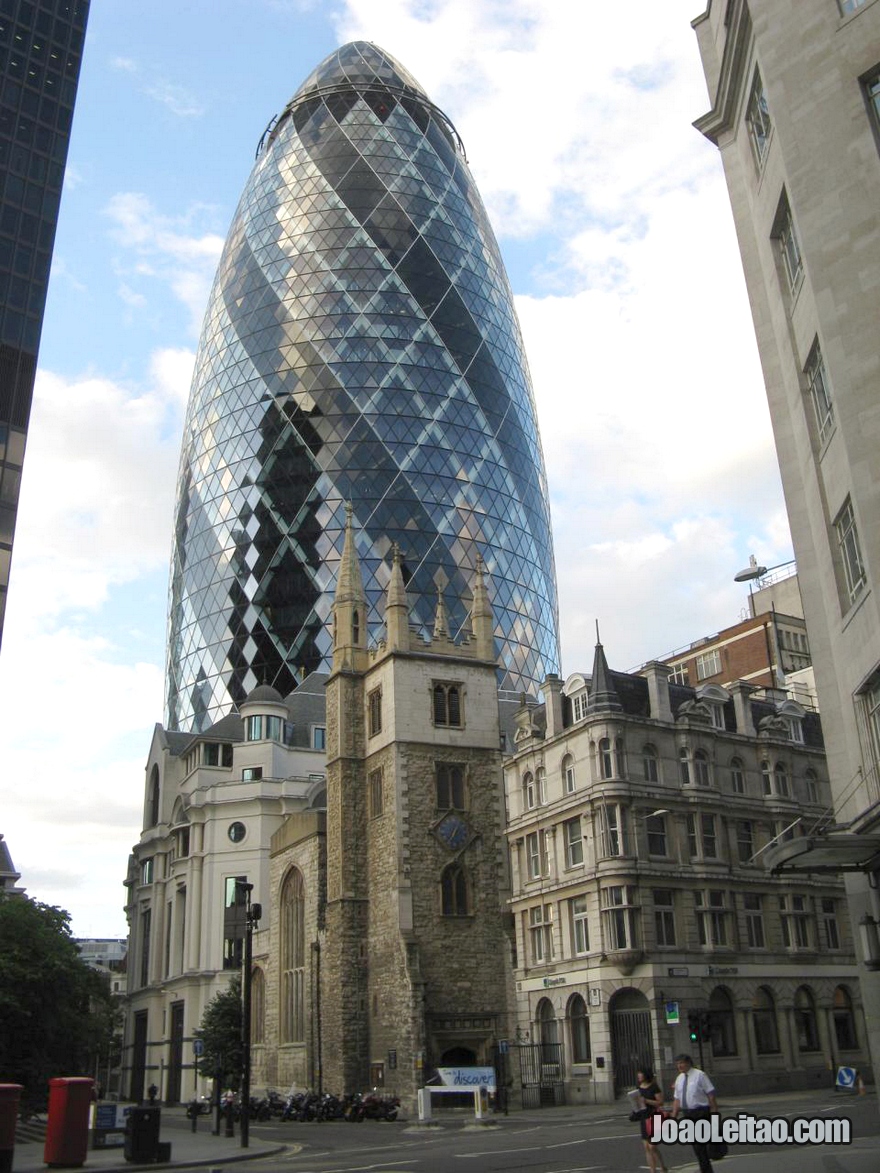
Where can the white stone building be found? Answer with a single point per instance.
(638, 811)
(795, 114)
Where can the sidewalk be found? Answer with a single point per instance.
(188, 1149)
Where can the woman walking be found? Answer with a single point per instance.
(653, 1097)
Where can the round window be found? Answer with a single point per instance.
(236, 832)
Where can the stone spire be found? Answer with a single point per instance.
(396, 607)
(603, 695)
(349, 606)
(482, 619)
(441, 623)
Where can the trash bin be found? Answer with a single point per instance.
(10, 1094)
(67, 1128)
(142, 1135)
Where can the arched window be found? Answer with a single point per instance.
(541, 784)
(701, 767)
(454, 891)
(766, 778)
(780, 774)
(579, 1029)
(844, 1023)
(811, 778)
(722, 1026)
(619, 760)
(737, 776)
(528, 790)
(764, 1019)
(649, 764)
(449, 777)
(568, 778)
(548, 1031)
(684, 769)
(293, 958)
(805, 1020)
(258, 1006)
(154, 797)
(606, 761)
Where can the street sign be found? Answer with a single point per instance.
(846, 1078)
(673, 1015)
(198, 1047)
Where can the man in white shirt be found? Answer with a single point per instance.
(694, 1098)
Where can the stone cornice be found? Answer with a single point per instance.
(736, 50)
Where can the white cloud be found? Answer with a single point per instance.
(176, 98)
(180, 252)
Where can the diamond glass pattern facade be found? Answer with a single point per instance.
(360, 345)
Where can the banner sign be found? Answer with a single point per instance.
(467, 1078)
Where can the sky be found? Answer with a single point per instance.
(612, 215)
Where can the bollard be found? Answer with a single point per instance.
(230, 1120)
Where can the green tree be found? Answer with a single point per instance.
(49, 998)
(220, 1031)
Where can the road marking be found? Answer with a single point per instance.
(501, 1152)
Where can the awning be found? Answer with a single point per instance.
(841, 851)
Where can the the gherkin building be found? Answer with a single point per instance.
(360, 345)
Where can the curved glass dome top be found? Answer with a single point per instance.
(361, 345)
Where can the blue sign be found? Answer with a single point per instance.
(198, 1047)
(846, 1078)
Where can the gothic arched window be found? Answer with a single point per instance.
(454, 891)
(293, 958)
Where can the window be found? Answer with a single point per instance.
(153, 818)
(447, 705)
(613, 837)
(794, 911)
(619, 917)
(375, 793)
(796, 730)
(829, 923)
(684, 770)
(454, 891)
(716, 712)
(817, 382)
(844, 1024)
(758, 120)
(753, 904)
(737, 777)
(872, 94)
(780, 778)
(702, 836)
(606, 759)
(679, 674)
(745, 841)
(850, 5)
(147, 871)
(537, 855)
(319, 737)
(293, 958)
(708, 664)
(253, 728)
(541, 784)
(789, 247)
(664, 916)
(766, 778)
(449, 784)
(234, 914)
(568, 778)
(146, 926)
(812, 782)
(274, 728)
(574, 843)
(806, 1030)
(541, 933)
(579, 1025)
(258, 1007)
(871, 702)
(712, 914)
(649, 764)
(701, 767)
(530, 795)
(722, 1026)
(580, 932)
(579, 705)
(850, 551)
(764, 1022)
(251, 773)
(374, 705)
(655, 825)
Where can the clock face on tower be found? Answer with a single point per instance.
(453, 831)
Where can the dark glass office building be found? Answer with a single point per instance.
(41, 44)
(360, 345)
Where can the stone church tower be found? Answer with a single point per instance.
(416, 956)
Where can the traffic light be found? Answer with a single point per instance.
(694, 1025)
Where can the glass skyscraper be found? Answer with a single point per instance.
(360, 345)
(40, 48)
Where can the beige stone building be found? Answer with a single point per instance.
(639, 810)
(795, 113)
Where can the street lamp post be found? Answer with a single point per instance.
(253, 913)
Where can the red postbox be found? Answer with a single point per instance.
(67, 1128)
(10, 1094)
